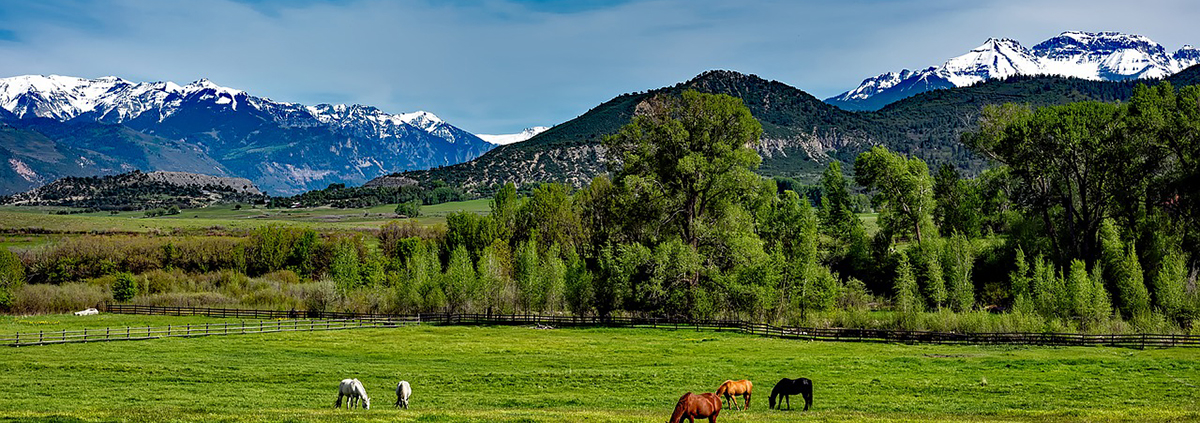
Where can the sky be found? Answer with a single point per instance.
(498, 66)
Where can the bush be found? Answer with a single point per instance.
(409, 209)
(12, 277)
(43, 299)
(125, 287)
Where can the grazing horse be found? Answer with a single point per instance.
(788, 387)
(403, 391)
(731, 389)
(692, 406)
(353, 390)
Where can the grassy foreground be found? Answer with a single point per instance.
(520, 374)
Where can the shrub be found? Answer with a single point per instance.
(65, 298)
(125, 287)
(409, 209)
(12, 277)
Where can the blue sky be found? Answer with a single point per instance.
(497, 66)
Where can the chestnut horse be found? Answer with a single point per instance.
(731, 389)
(691, 406)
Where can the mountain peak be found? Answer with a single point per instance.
(1105, 55)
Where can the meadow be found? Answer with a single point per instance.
(227, 216)
(520, 374)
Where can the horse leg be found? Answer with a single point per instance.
(338, 403)
(733, 398)
(747, 400)
(788, 398)
(807, 400)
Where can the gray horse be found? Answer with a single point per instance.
(353, 390)
(403, 391)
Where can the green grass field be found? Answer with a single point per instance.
(225, 216)
(519, 374)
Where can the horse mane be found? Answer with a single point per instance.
(680, 407)
(724, 387)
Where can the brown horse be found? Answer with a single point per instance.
(731, 389)
(691, 406)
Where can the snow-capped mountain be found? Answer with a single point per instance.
(505, 139)
(283, 147)
(1106, 56)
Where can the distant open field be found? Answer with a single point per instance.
(225, 216)
(520, 374)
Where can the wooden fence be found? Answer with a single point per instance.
(22, 339)
(814, 334)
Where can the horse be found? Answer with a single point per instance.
(731, 389)
(788, 387)
(692, 406)
(403, 391)
(353, 390)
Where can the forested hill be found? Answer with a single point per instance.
(140, 191)
(801, 133)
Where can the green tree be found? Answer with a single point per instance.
(686, 156)
(580, 287)
(459, 281)
(528, 277)
(1124, 271)
(837, 210)
(1170, 283)
(1072, 162)
(345, 266)
(1079, 290)
(125, 287)
(958, 261)
(904, 191)
(958, 203)
(907, 296)
(12, 276)
(553, 280)
(550, 214)
(505, 205)
(495, 272)
(926, 259)
(409, 209)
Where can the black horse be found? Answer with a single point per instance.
(788, 387)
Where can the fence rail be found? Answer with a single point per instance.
(333, 319)
(22, 339)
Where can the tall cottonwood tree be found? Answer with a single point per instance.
(904, 191)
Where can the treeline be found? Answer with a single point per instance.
(1085, 223)
(340, 196)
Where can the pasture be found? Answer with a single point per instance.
(519, 374)
(15, 218)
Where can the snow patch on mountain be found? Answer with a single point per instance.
(114, 100)
(1089, 55)
(505, 139)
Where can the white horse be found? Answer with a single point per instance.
(403, 391)
(353, 390)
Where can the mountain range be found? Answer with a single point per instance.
(1099, 56)
(801, 134)
(56, 126)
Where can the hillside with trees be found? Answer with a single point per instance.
(801, 134)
